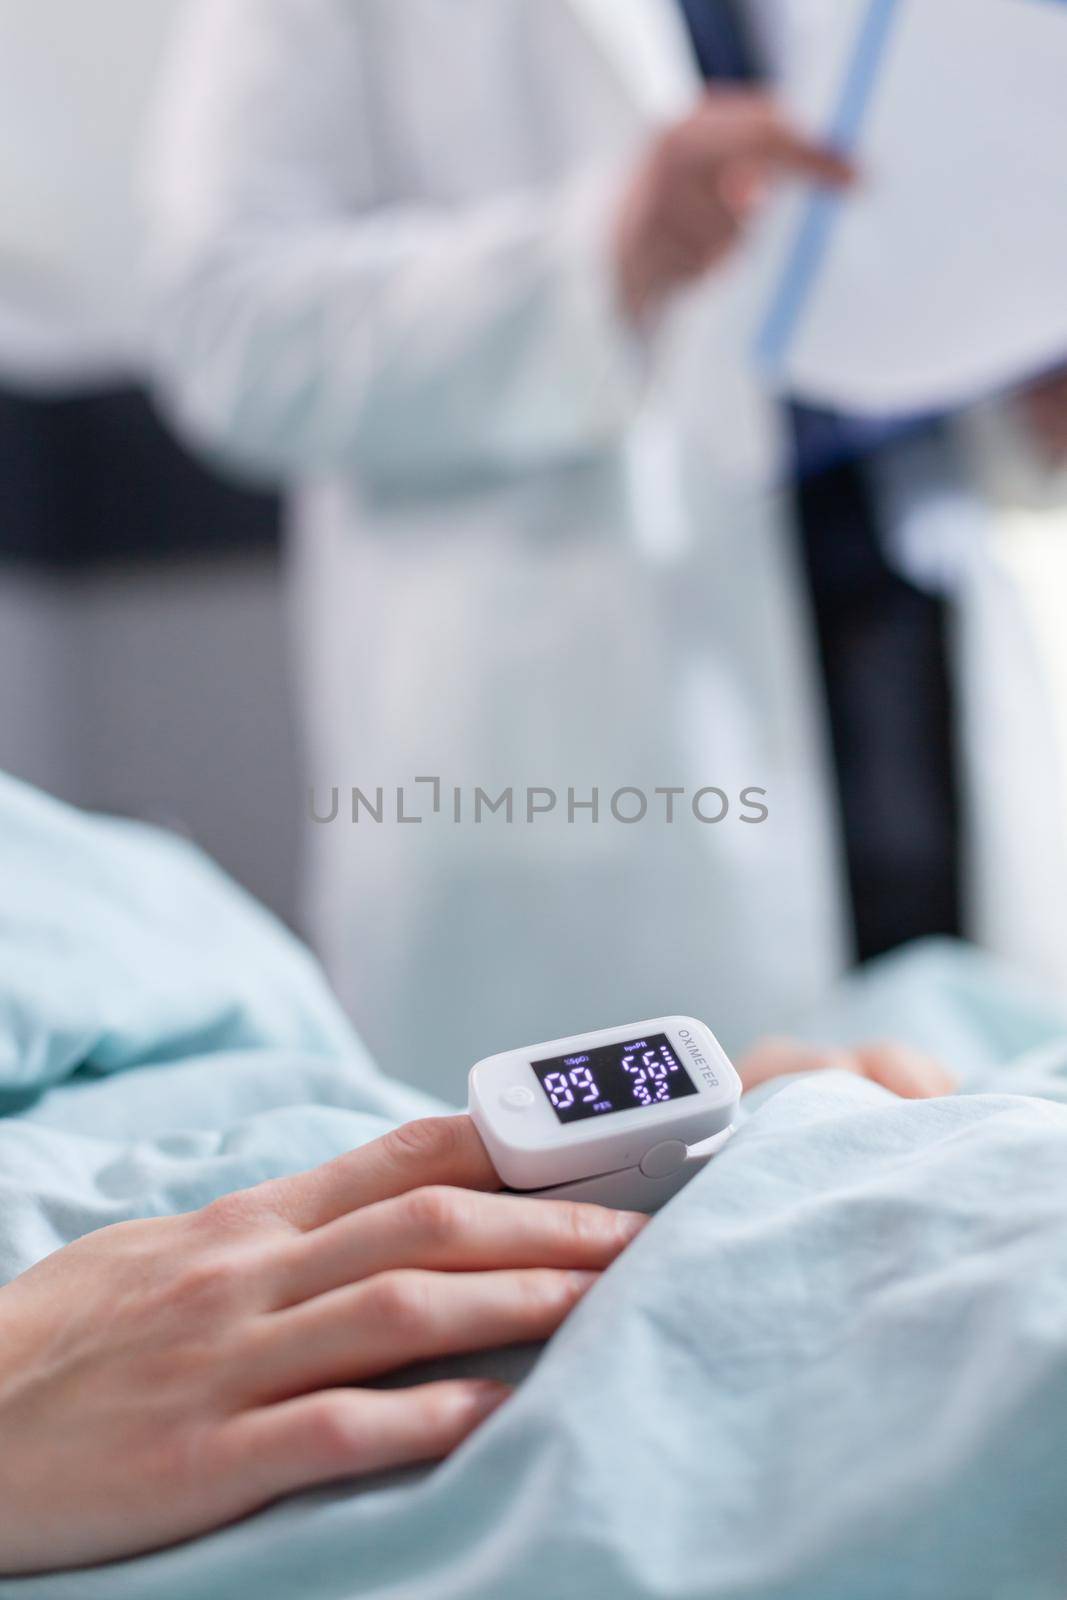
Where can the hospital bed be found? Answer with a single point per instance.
(835, 1368)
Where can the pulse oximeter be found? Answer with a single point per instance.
(622, 1118)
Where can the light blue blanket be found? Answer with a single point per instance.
(834, 1369)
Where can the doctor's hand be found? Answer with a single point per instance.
(160, 1378)
(1044, 412)
(697, 187)
(903, 1071)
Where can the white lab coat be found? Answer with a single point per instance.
(525, 551)
(75, 84)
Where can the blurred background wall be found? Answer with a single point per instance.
(142, 640)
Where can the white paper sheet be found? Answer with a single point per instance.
(945, 277)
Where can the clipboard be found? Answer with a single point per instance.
(888, 40)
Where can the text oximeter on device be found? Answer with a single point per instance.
(621, 1118)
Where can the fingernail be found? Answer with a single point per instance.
(630, 1223)
(582, 1282)
(487, 1395)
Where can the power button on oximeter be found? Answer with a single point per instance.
(518, 1098)
(664, 1160)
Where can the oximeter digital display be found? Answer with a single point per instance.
(622, 1117)
(614, 1077)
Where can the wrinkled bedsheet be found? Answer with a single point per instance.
(835, 1368)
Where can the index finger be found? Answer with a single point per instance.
(436, 1151)
(794, 152)
(752, 128)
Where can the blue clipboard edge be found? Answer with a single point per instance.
(813, 235)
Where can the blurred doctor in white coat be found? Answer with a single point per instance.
(465, 274)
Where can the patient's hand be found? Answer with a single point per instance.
(160, 1378)
(903, 1071)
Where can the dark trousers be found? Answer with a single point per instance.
(98, 477)
(883, 647)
